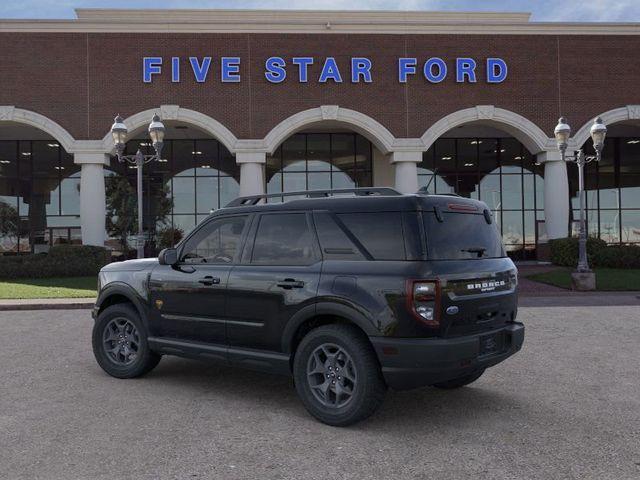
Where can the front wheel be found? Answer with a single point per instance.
(337, 375)
(460, 381)
(120, 343)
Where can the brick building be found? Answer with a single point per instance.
(276, 101)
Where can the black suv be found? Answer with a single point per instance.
(350, 291)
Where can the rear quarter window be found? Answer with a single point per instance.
(461, 236)
(381, 234)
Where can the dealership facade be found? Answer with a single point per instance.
(275, 101)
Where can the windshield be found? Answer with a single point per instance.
(461, 236)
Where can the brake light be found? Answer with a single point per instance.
(423, 300)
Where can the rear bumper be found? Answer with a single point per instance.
(416, 362)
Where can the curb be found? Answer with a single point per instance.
(44, 304)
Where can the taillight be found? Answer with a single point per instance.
(513, 278)
(423, 298)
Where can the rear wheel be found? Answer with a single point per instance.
(460, 381)
(337, 375)
(120, 343)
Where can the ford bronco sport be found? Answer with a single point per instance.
(348, 294)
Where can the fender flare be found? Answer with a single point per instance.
(120, 288)
(325, 308)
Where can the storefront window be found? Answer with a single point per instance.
(498, 171)
(320, 161)
(39, 196)
(612, 188)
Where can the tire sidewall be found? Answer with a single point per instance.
(335, 416)
(139, 366)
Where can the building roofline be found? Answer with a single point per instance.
(311, 21)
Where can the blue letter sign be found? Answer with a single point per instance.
(151, 66)
(200, 71)
(496, 70)
(275, 69)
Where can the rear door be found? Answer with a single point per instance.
(278, 276)
(188, 299)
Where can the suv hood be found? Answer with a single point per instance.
(131, 265)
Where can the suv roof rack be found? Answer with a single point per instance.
(359, 192)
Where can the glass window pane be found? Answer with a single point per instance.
(229, 189)
(70, 196)
(184, 223)
(207, 194)
(529, 227)
(45, 159)
(293, 153)
(512, 192)
(218, 242)
(8, 159)
(319, 151)
(490, 192)
(206, 157)
(631, 226)
(342, 152)
(183, 195)
(630, 196)
(363, 153)
(467, 151)
(629, 155)
(511, 155)
(294, 182)
(319, 181)
(488, 155)
(283, 239)
(380, 233)
(610, 226)
(183, 157)
(445, 156)
(228, 165)
(512, 229)
(342, 180)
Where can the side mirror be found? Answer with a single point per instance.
(168, 256)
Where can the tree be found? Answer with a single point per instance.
(122, 208)
(9, 221)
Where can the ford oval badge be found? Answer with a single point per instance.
(452, 310)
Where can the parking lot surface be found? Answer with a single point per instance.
(566, 406)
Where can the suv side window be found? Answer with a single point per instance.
(217, 243)
(284, 239)
(335, 243)
(380, 233)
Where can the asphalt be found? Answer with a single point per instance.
(567, 406)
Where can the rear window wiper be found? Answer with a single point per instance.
(479, 250)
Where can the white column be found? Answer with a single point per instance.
(92, 197)
(406, 166)
(251, 172)
(556, 194)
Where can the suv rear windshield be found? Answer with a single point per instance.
(461, 236)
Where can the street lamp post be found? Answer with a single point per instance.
(562, 133)
(119, 133)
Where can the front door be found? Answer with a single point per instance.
(278, 276)
(188, 299)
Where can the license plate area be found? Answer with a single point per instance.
(492, 344)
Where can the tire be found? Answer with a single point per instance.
(324, 351)
(460, 381)
(131, 356)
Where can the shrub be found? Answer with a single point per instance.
(564, 251)
(618, 256)
(61, 261)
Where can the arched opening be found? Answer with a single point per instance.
(487, 163)
(196, 175)
(612, 186)
(320, 157)
(39, 190)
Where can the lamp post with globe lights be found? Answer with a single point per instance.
(562, 133)
(119, 133)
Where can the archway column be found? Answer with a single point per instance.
(251, 172)
(406, 170)
(93, 209)
(556, 194)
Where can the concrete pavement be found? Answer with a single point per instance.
(567, 406)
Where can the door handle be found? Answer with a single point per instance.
(289, 283)
(209, 280)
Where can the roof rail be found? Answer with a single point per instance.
(360, 192)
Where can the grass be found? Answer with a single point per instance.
(607, 279)
(71, 287)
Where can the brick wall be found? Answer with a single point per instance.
(82, 80)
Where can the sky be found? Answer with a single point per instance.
(542, 10)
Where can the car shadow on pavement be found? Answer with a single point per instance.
(415, 409)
